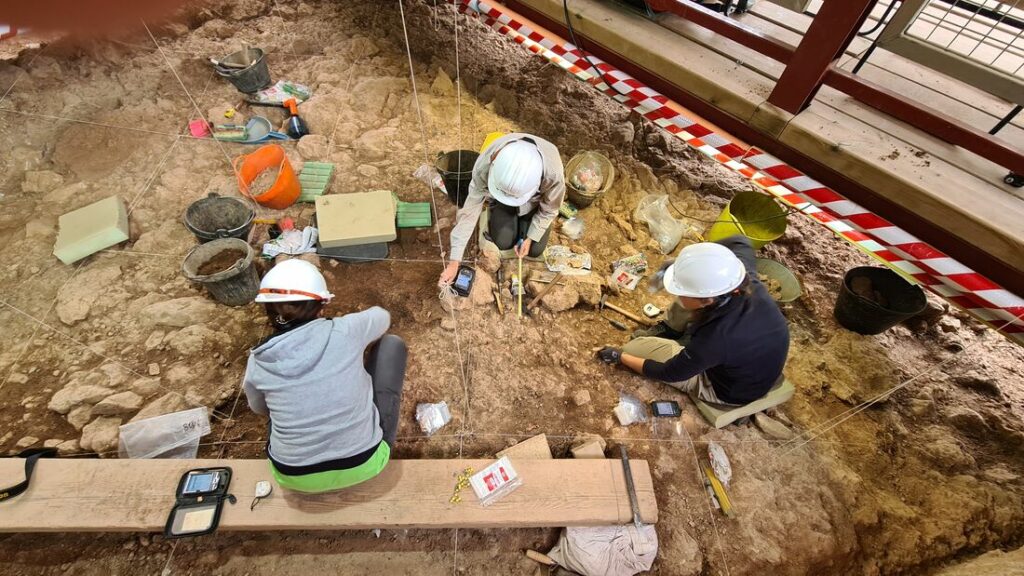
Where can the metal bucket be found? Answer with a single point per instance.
(219, 216)
(255, 76)
(236, 285)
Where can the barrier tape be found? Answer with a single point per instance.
(896, 248)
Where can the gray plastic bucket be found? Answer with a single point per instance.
(219, 216)
(237, 285)
(253, 78)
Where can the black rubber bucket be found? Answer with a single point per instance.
(456, 169)
(255, 75)
(892, 300)
(237, 284)
(219, 217)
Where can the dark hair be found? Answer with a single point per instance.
(287, 315)
(705, 312)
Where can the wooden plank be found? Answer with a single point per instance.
(973, 210)
(709, 76)
(79, 495)
(772, 120)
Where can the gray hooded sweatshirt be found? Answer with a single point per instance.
(318, 394)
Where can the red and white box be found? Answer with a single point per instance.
(495, 482)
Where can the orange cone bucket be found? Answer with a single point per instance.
(285, 190)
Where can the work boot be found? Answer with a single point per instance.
(659, 330)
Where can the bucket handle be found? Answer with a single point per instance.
(236, 165)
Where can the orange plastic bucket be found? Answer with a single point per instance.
(286, 188)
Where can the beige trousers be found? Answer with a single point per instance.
(663, 350)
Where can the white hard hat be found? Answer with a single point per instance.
(704, 270)
(291, 281)
(515, 173)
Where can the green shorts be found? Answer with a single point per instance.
(336, 479)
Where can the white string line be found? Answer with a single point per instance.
(437, 228)
(101, 355)
(348, 83)
(844, 416)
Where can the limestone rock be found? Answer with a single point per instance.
(65, 193)
(100, 435)
(980, 383)
(581, 397)
(375, 144)
(146, 387)
(534, 448)
(52, 443)
(588, 287)
(772, 427)
(623, 134)
(154, 341)
(442, 85)
(489, 261)
(77, 297)
(313, 147)
(154, 369)
(482, 293)
(560, 297)
(75, 394)
(361, 47)
(68, 447)
(41, 181)
(80, 416)
(121, 403)
(179, 312)
(248, 9)
(40, 229)
(966, 420)
(368, 171)
(170, 402)
(687, 559)
(588, 446)
(26, 442)
(197, 339)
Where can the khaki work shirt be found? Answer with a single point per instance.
(547, 201)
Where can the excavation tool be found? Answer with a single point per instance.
(519, 308)
(544, 292)
(616, 323)
(605, 304)
(628, 473)
(713, 482)
(553, 568)
(296, 125)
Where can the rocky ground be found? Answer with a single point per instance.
(928, 476)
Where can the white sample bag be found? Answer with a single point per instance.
(174, 435)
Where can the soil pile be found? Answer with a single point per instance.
(222, 261)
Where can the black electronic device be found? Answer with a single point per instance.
(198, 501)
(464, 281)
(666, 409)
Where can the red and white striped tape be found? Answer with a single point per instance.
(870, 233)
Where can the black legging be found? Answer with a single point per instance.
(385, 363)
(507, 228)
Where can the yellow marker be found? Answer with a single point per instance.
(521, 287)
(719, 490)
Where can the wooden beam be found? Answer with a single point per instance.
(79, 495)
(832, 30)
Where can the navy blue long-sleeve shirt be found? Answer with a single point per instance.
(741, 346)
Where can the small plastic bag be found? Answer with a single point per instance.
(665, 229)
(630, 410)
(588, 176)
(429, 176)
(719, 462)
(432, 417)
(573, 228)
(174, 435)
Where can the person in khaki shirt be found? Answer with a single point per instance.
(522, 178)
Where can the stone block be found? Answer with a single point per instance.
(535, 448)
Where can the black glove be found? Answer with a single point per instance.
(610, 355)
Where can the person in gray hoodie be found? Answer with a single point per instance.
(331, 386)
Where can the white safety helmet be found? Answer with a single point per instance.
(704, 270)
(515, 173)
(292, 281)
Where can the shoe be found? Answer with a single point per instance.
(659, 330)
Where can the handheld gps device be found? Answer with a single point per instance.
(198, 501)
(463, 280)
(666, 409)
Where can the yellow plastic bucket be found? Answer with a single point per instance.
(490, 138)
(756, 216)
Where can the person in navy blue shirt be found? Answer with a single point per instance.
(736, 338)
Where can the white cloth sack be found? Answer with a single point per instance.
(607, 550)
(174, 435)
